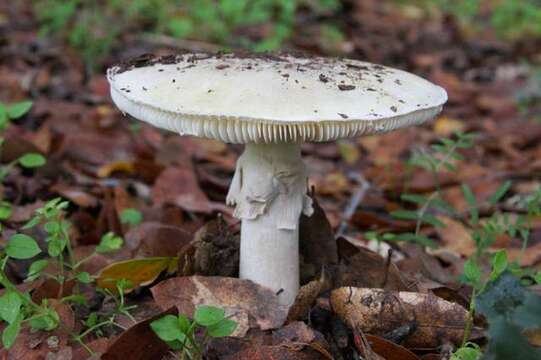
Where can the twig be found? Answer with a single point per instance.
(354, 202)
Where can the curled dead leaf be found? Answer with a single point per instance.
(375, 311)
(305, 298)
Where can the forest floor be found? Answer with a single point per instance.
(162, 193)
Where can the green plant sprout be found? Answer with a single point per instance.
(93, 28)
(180, 333)
(440, 157)
(17, 307)
(131, 216)
(9, 112)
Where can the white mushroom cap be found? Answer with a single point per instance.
(272, 98)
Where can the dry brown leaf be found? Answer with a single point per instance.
(154, 239)
(455, 237)
(178, 186)
(388, 350)
(138, 342)
(249, 304)
(317, 244)
(377, 312)
(305, 298)
(368, 269)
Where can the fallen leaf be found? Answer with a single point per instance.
(377, 312)
(178, 186)
(388, 349)
(455, 237)
(249, 304)
(445, 126)
(305, 298)
(139, 272)
(138, 342)
(273, 352)
(317, 245)
(368, 269)
(217, 250)
(154, 239)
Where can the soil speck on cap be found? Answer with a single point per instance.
(343, 116)
(222, 66)
(398, 82)
(343, 87)
(393, 109)
(323, 78)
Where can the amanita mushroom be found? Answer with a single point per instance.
(272, 104)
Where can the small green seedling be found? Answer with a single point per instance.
(131, 216)
(180, 333)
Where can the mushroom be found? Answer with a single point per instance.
(272, 104)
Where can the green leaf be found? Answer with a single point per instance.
(10, 306)
(404, 214)
(506, 342)
(21, 246)
(499, 264)
(223, 328)
(432, 220)
(469, 352)
(109, 242)
(52, 227)
(17, 110)
(208, 315)
(501, 297)
(56, 246)
(414, 198)
(184, 323)
(11, 332)
(167, 328)
(537, 277)
(472, 273)
(32, 222)
(35, 269)
(75, 298)
(500, 193)
(32, 160)
(4, 119)
(48, 320)
(418, 238)
(5, 210)
(84, 277)
(472, 202)
(131, 216)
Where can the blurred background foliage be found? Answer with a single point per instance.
(93, 28)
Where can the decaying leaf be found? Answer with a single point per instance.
(377, 312)
(138, 272)
(178, 186)
(317, 245)
(368, 269)
(216, 250)
(138, 342)
(151, 239)
(388, 350)
(249, 304)
(305, 298)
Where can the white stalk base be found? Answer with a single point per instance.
(269, 190)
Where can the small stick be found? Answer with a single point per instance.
(353, 203)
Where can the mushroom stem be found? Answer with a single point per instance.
(269, 190)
